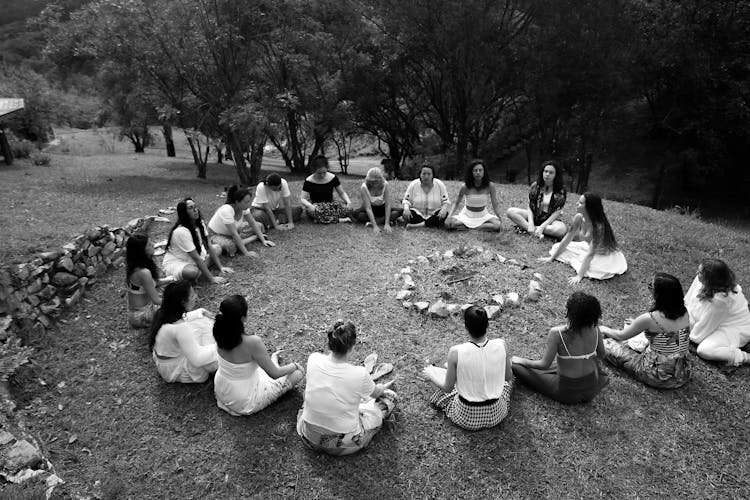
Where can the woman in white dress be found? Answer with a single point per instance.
(182, 346)
(719, 318)
(248, 379)
(478, 190)
(590, 246)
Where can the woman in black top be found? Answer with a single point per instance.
(317, 194)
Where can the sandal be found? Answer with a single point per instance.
(370, 361)
(381, 370)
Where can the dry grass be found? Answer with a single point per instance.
(142, 438)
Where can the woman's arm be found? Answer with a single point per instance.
(197, 355)
(576, 226)
(387, 198)
(552, 218)
(459, 199)
(640, 324)
(364, 196)
(260, 355)
(271, 216)
(444, 379)
(258, 228)
(287, 200)
(553, 339)
(232, 230)
(201, 264)
(585, 264)
(148, 283)
(304, 199)
(493, 199)
(342, 194)
(445, 205)
(709, 322)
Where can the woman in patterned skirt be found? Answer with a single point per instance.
(474, 391)
(317, 195)
(664, 363)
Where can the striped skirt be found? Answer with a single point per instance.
(473, 417)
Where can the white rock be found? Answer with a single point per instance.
(159, 219)
(498, 299)
(421, 306)
(408, 282)
(500, 258)
(161, 243)
(539, 277)
(405, 270)
(423, 260)
(411, 262)
(439, 310)
(464, 307)
(512, 298)
(453, 308)
(403, 294)
(535, 285)
(433, 256)
(166, 211)
(492, 311)
(480, 249)
(448, 254)
(407, 304)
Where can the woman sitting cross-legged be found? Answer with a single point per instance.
(343, 407)
(317, 195)
(590, 246)
(719, 318)
(248, 379)
(181, 343)
(546, 200)
(478, 190)
(142, 279)
(231, 219)
(577, 377)
(664, 363)
(426, 201)
(267, 209)
(376, 202)
(186, 251)
(474, 391)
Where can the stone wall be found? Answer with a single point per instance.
(33, 292)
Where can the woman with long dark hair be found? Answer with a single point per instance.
(590, 246)
(231, 221)
(317, 195)
(181, 343)
(664, 363)
(546, 200)
(719, 317)
(248, 379)
(478, 189)
(188, 247)
(142, 279)
(576, 378)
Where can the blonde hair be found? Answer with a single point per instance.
(375, 180)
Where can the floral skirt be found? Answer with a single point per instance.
(472, 417)
(143, 316)
(654, 369)
(328, 212)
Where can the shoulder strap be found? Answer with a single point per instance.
(664, 330)
(559, 332)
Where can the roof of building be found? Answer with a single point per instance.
(8, 106)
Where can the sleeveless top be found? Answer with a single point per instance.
(670, 343)
(480, 373)
(580, 356)
(375, 201)
(474, 200)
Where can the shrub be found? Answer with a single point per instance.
(12, 356)
(21, 148)
(40, 158)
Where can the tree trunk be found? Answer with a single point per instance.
(196, 158)
(243, 172)
(256, 159)
(297, 158)
(659, 188)
(5, 148)
(203, 164)
(166, 130)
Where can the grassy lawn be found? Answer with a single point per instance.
(112, 428)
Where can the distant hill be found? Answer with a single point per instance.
(20, 10)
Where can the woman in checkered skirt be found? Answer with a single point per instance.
(474, 391)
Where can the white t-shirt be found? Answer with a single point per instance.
(265, 194)
(333, 392)
(224, 215)
(181, 244)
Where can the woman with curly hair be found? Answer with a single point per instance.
(478, 189)
(248, 379)
(576, 377)
(590, 246)
(719, 318)
(546, 200)
(664, 363)
(343, 407)
(188, 248)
